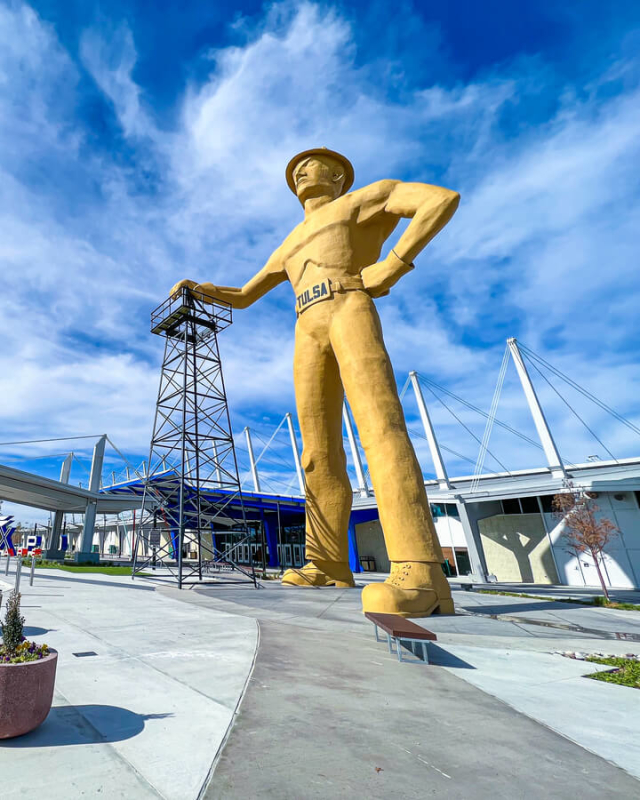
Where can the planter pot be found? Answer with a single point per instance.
(26, 692)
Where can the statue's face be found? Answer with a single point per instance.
(318, 175)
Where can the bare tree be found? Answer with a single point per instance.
(584, 531)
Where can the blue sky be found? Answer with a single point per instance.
(143, 142)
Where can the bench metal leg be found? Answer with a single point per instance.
(411, 645)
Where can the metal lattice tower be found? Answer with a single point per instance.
(192, 496)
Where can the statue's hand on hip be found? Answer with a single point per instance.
(379, 278)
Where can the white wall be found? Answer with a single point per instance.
(622, 556)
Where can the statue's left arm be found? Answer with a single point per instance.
(429, 208)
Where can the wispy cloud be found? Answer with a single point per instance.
(95, 229)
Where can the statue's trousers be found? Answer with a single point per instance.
(339, 348)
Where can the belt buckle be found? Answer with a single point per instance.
(314, 294)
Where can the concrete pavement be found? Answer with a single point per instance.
(335, 716)
(144, 716)
(328, 711)
(513, 661)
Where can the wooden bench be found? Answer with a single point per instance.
(401, 630)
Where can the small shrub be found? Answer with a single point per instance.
(14, 648)
(13, 625)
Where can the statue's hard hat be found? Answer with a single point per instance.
(321, 151)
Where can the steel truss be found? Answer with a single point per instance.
(192, 495)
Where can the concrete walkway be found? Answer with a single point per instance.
(513, 661)
(336, 716)
(145, 716)
(328, 711)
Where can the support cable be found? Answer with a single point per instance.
(125, 459)
(490, 420)
(273, 455)
(59, 439)
(426, 381)
(421, 435)
(80, 464)
(469, 431)
(570, 407)
(38, 458)
(273, 436)
(581, 389)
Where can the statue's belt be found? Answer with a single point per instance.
(325, 290)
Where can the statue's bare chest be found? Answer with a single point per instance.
(324, 241)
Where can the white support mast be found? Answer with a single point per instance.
(546, 439)
(296, 454)
(95, 480)
(53, 550)
(214, 447)
(252, 461)
(355, 453)
(434, 447)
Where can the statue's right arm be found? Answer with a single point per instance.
(272, 274)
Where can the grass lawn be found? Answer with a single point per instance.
(601, 602)
(626, 674)
(105, 569)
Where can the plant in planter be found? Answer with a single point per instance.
(27, 676)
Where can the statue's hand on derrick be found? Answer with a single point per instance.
(206, 292)
(184, 284)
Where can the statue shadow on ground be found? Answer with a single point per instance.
(87, 724)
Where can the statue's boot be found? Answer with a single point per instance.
(320, 573)
(413, 589)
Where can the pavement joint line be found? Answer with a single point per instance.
(557, 731)
(520, 626)
(596, 633)
(234, 716)
(333, 602)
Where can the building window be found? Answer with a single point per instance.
(464, 563)
(546, 501)
(511, 506)
(529, 505)
(444, 510)
(520, 505)
(637, 494)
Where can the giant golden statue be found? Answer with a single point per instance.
(331, 259)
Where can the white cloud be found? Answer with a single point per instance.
(543, 245)
(110, 57)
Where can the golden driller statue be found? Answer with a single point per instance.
(331, 259)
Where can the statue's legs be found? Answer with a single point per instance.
(319, 398)
(371, 390)
(339, 343)
(417, 585)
